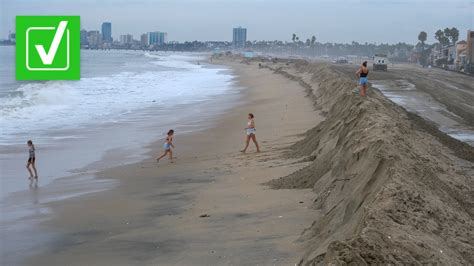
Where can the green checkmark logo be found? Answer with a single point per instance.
(47, 47)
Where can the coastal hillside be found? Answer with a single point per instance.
(389, 187)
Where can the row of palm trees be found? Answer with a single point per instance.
(309, 42)
(445, 37)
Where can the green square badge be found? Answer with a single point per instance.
(48, 47)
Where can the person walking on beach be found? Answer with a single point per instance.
(250, 130)
(362, 75)
(168, 145)
(30, 165)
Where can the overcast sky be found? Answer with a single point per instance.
(377, 21)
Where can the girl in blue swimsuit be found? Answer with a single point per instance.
(167, 146)
(363, 82)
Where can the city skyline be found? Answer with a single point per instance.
(210, 20)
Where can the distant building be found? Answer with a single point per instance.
(12, 37)
(239, 37)
(153, 37)
(470, 47)
(461, 48)
(126, 39)
(449, 52)
(163, 38)
(107, 32)
(156, 38)
(84, 37)
(94, 38)
(144, 39)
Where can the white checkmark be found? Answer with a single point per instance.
(48, 58)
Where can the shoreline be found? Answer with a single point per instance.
(361, 195)
(27, 206)
(86, 146)
(184, 191)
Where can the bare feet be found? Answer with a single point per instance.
(242, 151)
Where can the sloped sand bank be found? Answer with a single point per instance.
(390, 187)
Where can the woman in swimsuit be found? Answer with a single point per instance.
(31, 161)
(362, 75)
(250, 130)
(168, 145)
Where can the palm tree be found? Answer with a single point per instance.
(441, 37)
(313, 43)
(452, 34)
(422, 38)
(439, 34)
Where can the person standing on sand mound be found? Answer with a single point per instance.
(250, 130)
(168, 145)
(362, 75)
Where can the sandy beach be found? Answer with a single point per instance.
(390, 187)
(341, 179)
(153, 216)
(129, 130)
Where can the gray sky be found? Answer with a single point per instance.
(378, 21)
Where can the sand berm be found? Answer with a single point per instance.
(390, 188)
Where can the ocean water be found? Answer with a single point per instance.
(113, 84)
(124, 101)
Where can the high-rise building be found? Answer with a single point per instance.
(126, 39)
(156, 38)
(163, 38)
(84, 37)
(94, 38)
(107, 32)
(153, 37)
(144, 39)
(239, 37)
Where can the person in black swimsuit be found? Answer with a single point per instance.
(31, 160)
(362, 75)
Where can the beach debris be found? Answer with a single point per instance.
(301, 202)
(280, 216)
(205, 215)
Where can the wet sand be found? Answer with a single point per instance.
(153, 216)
